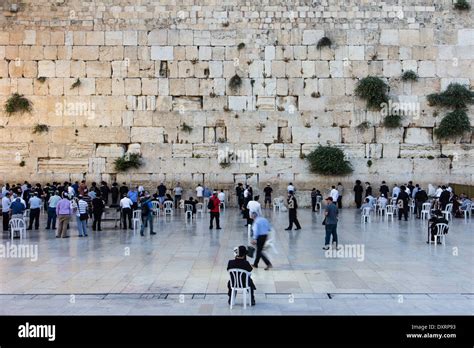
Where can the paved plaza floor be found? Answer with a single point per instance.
(182, 269)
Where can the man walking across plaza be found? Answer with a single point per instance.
(147, 216)
(214, 209)
(261, 227)
(330, 222)
(63, 212)
(292, 207)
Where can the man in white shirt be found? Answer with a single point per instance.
(6, 210)
(334, 193)
(449, 188)
(254, 206)
(439, 190)
(199, 193)
(382, 201)
(396, 191)
(290, 187)
(178, 194)
(126, 206)
(221, 196)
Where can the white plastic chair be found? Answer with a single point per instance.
(239, 277)
(276, 204)
(467, 211)
(136, 220)
(411, 205)
(155, 207)
(205, 202)
(365, 217)
(26, 216)
(188, 210)
(19, 225)
(390, 211)
(448, 211)
(440, 232)
(200, 209)
(382, 209)
(425, 211)
(168, 207)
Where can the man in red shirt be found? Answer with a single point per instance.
(214, 208)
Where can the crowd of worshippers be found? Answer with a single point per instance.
(402, 195)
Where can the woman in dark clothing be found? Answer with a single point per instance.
(358, 190)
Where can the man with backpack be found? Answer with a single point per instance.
(214, 208)
(147, 216)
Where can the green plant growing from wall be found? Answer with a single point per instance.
(186, 128)
(17, 103)
(324, 42)
(455, 123)
(76, 83)
(22, 164)
(40, 128)
(364, 125)
(369, 163)
(235, 82)
(41, 79)
(133, 160)
(392, 121)
(455, 96)
(373, 90)
(328, 160)
(462, 5)
(409, 75)
(241, 46)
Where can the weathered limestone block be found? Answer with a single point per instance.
(85, 52)
(424, 168)
(419, 136)
(419, 151)
(53, 165)
(204, 150)
(465, 37)
(98, 69)
(147, 134)
(391, 150)
(389, 135)
(359, 136)
(46, 68)
(311, 37)
(110, 150)
(389, 37)
(182, 150)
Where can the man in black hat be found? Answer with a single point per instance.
(241, 262)
(292, 206)
(436, 219)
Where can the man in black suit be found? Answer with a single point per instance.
(241, 262)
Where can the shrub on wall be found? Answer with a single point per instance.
(454, 124)
(40, 128)
(324, 42)
(392, 121)
(462, 5)
(409, 75)
(133, 160)
(373, 90)
(455, 96)
(17, 103)
(328, 160)
(235, 82)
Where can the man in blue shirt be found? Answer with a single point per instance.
(261, 227)
(17, 208)
(147, 215)
(133, 195)
(35, 205)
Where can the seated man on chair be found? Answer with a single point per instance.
(241, 262)
(436, 219)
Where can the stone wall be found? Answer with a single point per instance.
(148, 67)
